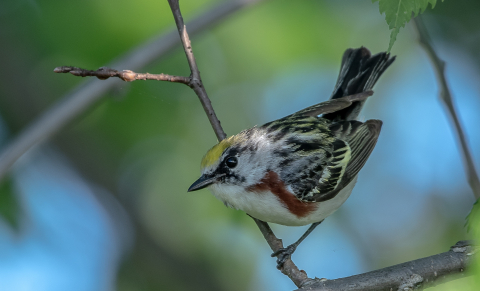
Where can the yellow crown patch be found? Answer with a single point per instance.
(217, 150)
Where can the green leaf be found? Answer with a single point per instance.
(399, 12)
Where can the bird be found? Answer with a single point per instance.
(301, 168)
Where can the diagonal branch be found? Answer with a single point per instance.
(85, 95)
(446, 97)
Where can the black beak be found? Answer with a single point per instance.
(202, 182)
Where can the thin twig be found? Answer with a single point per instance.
(126, 75)
(447, 99)
(413, 275)
(85, 95)
(196, 81)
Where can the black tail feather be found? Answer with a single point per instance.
(359, 72)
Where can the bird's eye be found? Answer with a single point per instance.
(231, 162)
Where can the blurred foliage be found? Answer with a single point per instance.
(9, 208)
(145, 140)
(399, 12)
(473, 218)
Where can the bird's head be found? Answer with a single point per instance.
(240, 160)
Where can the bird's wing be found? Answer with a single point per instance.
(354, 144)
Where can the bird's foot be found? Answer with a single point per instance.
(283, 255)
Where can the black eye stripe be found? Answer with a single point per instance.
(231, 162)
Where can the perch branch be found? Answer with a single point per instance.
(85, 95)
(413, 275)
(446, 97)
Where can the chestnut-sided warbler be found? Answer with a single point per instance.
(299, 169)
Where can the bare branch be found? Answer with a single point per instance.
(446, 97)
(196, 83)
(413, 275)
(126, 75)
(85, 95)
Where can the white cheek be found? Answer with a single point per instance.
(254, 165)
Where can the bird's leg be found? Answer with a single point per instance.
(284, 253)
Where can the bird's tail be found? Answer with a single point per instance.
(359, 72)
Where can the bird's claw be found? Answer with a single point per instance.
(283, 255)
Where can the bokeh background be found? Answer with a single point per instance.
(103, 205)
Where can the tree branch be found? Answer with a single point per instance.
(85, 95)
(413, 275)
(446, 97)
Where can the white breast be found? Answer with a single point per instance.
(267, 207)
